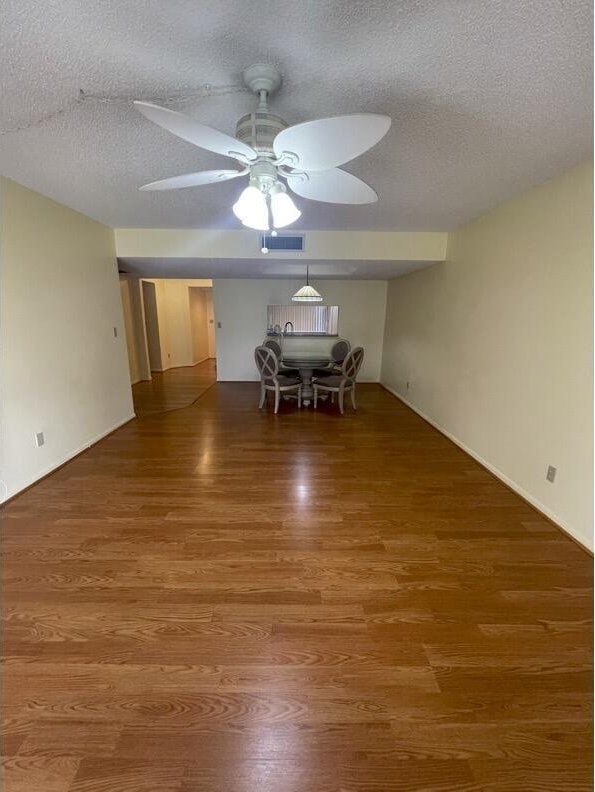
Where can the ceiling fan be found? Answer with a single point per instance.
(304, 156)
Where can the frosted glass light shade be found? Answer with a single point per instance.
(283, 209)
(252, 210)
(307, 294)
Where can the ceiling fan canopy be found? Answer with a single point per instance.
(304, 157)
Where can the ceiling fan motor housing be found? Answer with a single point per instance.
(259, 129)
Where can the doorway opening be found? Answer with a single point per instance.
(202, 323)
(152, 326)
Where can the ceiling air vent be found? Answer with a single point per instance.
(293, 243)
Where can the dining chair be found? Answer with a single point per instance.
(270, 343)
(271, 380)
(339, 352)
(345, 381)
(275, 346)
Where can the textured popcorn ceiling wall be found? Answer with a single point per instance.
(487, 98)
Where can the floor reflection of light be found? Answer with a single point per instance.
(303, 492)
(204, 456)
(277, 741)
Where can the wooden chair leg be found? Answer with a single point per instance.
(299, 397)
(353, 397)
(263, 395)
(341, 394)
(277, 397)
(315, 388)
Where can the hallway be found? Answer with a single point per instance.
(174, 388)
(217, 598)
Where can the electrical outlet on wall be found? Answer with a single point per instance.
(39, 439)
(551, 474)
(115, 332)
(407, 385)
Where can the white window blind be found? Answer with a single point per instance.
(305, 318)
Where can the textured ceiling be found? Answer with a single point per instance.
(487, 97)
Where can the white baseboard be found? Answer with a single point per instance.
(535, 502)
(6, 493)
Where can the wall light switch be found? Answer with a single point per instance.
(551, 474)
(115, 332)
(39, 439)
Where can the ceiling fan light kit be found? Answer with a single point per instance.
(283, 209)
(251, 209)
(264, 204)
(305, 156)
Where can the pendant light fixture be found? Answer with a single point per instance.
(307, 293)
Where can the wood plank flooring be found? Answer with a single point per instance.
(174, 388)
(218, 599)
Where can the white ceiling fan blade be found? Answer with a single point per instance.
(332, 186)
(193, 179)
(328, 142)
(200, 135)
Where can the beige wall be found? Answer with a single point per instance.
(136, 342)
(152, 326)
(212, 350)
(496, 344)
(199, 323)
(63, 371)
(245, 244)
(174, 321)
(241, 309)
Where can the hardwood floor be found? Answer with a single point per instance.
(218, 599)
(174, 388)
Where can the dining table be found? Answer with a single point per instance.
(306, 364)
